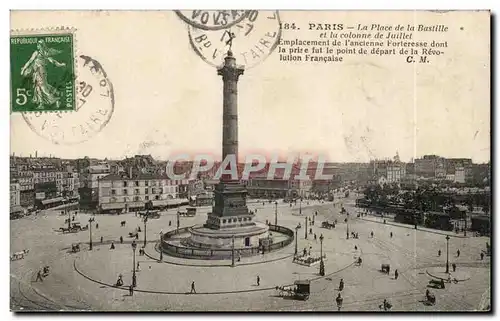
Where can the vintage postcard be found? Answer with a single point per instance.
(245, 160)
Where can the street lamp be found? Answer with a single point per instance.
(296, 238)
(447, 260)
(145, 226)
(134, 279)
(275, 213)
(347, 224)
(178, 222)
(305, 228)
(465, 223)
(161, 251)
(232, 252)
(321, 263)
(91, 220)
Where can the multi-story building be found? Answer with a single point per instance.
(15, 193)
(392, 170)
(124, 193)
(430, 166)
(70, 183)
(261, 187)
(16, 210)
(396, 171)
(460, 175)
(45, 174)
(195, 188)
(89, 184)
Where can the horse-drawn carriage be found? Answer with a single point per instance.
(328, 225)
(75, 227)
(150, 214)
(438, 284)
(300, 290)
(133, 234)
(19, 255)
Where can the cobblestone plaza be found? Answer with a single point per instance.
(84, 280)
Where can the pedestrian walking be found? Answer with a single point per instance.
(137, 236)
(482, 256)
(454, 267)
(112, 246)
(96, 226)
(355, 247)
(39, 276)
(193, 290)
(305, 251)
(341, 285)
(391, 235)
(121, 239)
(372, 234)
(458, 253)
(396, 274)
(315, 239)
(310, 249)
(102, 239)
(258, 280)
(439, 252)
(339, 301)
(131, 290)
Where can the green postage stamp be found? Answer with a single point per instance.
(42, 71)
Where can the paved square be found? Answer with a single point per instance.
(84, 280)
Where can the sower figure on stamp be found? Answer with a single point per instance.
(36, 67)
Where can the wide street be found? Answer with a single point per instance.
(82, 281)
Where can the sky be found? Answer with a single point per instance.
(168, 101)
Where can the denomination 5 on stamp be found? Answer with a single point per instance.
(42, 70)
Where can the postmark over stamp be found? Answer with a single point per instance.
(251, 41)
(42, 70)
(94, 108)
(212, 19)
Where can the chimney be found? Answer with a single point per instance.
(36, 153)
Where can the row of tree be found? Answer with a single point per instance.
(426, 198)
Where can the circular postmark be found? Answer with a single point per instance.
(212, 19)
(93, 110)
(251, 40)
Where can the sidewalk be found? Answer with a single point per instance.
(412, 227)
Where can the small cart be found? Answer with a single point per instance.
(302, 289)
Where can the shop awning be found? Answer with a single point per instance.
(160, 203)
(52, 200)
(112, 206)
(135, 204)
